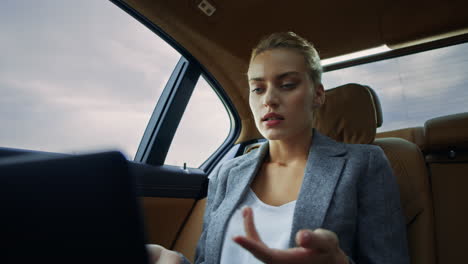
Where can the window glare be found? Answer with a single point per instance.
(413, 88)
(354, 55)
(77, 76)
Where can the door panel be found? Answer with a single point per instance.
(190, 233)
(164, 217)
(168, 195)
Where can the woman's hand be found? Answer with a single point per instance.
(313, 247)
(160, 255)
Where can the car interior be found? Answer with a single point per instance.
(215, 38)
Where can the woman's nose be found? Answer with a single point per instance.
(271, 98)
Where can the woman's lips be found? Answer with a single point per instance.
(273, 122)
(272, 119)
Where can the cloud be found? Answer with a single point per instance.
(413, 88)
(80, 76)
(77, 75)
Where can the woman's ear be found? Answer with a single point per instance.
(319, 96)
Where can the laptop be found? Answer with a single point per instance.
(71, 209)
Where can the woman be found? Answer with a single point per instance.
(314, 200)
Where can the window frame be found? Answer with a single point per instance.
(171, 105)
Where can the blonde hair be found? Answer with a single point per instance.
(291, 40)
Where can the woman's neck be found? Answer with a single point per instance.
(290, 151)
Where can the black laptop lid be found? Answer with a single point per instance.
(75, 209)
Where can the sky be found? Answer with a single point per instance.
(413, 88)
(84, 76)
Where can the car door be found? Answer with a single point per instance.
(168, 191)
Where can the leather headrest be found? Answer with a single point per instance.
(351, 114)
(447, 132)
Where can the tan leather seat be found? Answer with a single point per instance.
(351, 114)
(415, 193)
(412, 134)
(447, 158)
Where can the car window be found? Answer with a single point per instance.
(77, 76)
(203, 128)
(413, 88)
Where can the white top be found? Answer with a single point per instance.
(273, 224)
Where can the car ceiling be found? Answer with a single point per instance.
(223, 42)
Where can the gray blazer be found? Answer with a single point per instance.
(347, 188)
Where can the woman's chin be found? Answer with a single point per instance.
(275, 135)
(286, 134)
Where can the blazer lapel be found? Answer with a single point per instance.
(322, 173)
(239, 180)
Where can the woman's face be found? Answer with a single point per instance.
(282, 94)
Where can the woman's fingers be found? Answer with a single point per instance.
(252, 241)
(325, 242)
(154, 252)
(318, 246)
(158, 254)
(311, 244)
(169, 257)
(319, 239)
(269, 255)
(249, 225)
(257, 248)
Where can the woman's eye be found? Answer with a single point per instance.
(288, 85)
(257, 90)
